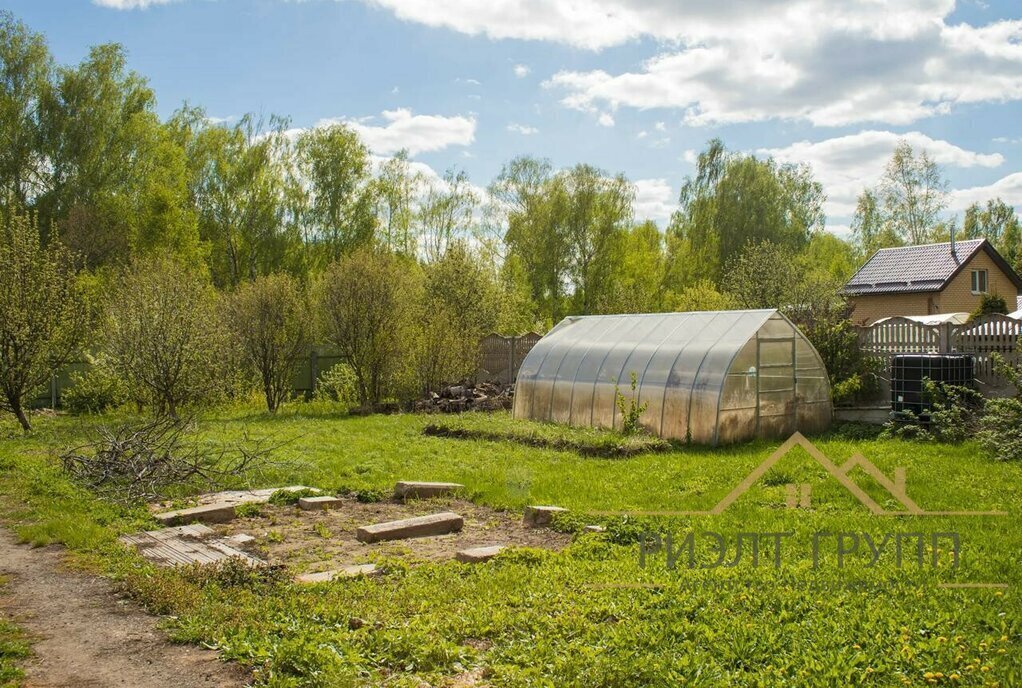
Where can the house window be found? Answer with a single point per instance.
(979, 281)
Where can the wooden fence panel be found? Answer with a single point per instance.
(501, 357)
(985, 336)
(981, 338)
(901, 336)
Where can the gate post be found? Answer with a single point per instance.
(313, 371)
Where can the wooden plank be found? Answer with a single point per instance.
(477, 555)
(323, 503)
(219, 512)
(420, 526)
(538, 516)
(344, 572)
(178, 549)
(409, 489)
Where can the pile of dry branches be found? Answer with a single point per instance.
(155, 459)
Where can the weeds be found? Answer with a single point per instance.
(630, 409)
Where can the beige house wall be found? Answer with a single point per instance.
(956, 297)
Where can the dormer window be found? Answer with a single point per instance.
(979, 281)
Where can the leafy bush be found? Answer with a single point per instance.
(270, 322)
(164, 338)
(990, 304)
(954, 416)
(956, 411)
(98, 389)
(1000, 430)
(337, 383)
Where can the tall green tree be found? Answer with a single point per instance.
(241, 187)
(735, 200)
(45, 314)
(595, 211)
(566, 229)
(639, 272)
(997, 223)
(905, 206)
(524, 209)
(117, 182)
(398, 188)
(25, 72)
(459, 305)
(445, 214)
(335, 167)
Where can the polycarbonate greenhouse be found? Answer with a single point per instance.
(712, 377)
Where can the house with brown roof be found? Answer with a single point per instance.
(930, 278)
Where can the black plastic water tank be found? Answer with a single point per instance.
(909, 370)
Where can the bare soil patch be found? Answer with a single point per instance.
(312, 541)
(85, 635)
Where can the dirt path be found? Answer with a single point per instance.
(85, 635)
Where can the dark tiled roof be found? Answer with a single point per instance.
(927, 267)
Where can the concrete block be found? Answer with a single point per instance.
(343, 572)
(319, 503)
(420, 526)
(539, 516)
(594, 529)
(406, 489)
(241, 540)
(477, 555)
(207, 513)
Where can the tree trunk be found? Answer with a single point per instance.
(20, 413)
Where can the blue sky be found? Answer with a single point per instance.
(633, 86)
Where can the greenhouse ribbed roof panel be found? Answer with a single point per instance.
(705, 376)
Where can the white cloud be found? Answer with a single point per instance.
(746, 62)
(521, 71)
(690, 156)
(845, 165)
(522, 129)
(660, 126)
(415, 133)
(597, 24)
(1008, 189)
(654, 200)
(605, 119)
(131, 4)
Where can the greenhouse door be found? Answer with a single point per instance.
(776, 412)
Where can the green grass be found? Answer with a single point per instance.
(533, 618)
(13, 649)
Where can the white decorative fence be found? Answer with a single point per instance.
(980, 337)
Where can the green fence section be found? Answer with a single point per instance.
(499, 360)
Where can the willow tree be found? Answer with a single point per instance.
(44, 312)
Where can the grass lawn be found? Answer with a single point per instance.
(535, 618)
